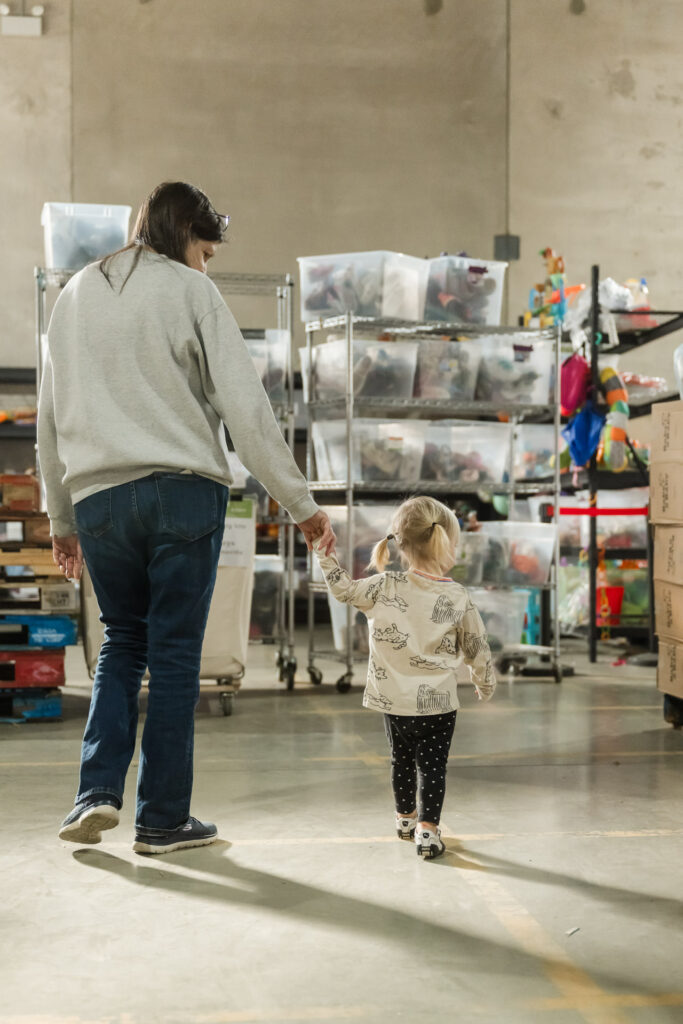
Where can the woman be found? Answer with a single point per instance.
(145, 365)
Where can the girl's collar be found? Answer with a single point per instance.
(428, 576)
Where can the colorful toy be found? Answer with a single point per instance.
(613, 448)
(548, 301)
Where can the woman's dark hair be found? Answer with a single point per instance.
(173, 215)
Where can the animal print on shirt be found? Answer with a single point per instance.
(445, 611)
(334, 575)
(448, 646)
(374, 594)
(376, 671)
(474, 644)
(391, 635)
(430, 701)
(380, 702)
(431, 664)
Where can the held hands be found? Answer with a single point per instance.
(318, 528)
(67, 554)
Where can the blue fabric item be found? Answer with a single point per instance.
(151, 547)
(582, 433)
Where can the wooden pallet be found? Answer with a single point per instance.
(39, 560)
(47, 594)
(35, 529)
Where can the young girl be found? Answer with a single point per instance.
(423, 625)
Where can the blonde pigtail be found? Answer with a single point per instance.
(380, 555)
(438, 547)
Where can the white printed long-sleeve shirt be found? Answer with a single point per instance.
(422, 630)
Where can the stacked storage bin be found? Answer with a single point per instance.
(666, 512)
(38, 608)
(396, 425)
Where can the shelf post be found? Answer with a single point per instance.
(592, 470)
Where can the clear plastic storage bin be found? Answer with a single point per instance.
(75, 234)
(380, 451)
(519, 554)
(270, 355)
(349, 282)
(390, 451)
(465, 290)
(381, 369)
(534, 451)
(329, 447)
(614, 531)
(469, 559)
(503, 614)
(447, 370)
(465, 453)
(519, 369)
(378, 283)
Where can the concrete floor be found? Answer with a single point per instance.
(558, 902)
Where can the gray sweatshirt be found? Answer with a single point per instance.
(140, 377)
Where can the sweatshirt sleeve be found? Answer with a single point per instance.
(59, 505)
(474, 644)
(234, 389)
(340, 584)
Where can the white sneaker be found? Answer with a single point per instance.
(429, 843)
(405, 827)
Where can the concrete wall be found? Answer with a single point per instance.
(596, 109)
(319, 127)
(323, 127)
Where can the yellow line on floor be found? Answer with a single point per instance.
(626, 1000)
(580, 992)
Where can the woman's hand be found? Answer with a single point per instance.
(319, 528)
(67, 554)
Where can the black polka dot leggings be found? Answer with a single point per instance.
(419, 755)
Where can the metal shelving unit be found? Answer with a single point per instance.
(282, 286)
(635, 329)
(349, 404)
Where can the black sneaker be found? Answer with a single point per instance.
(86, 823)
(192, 833)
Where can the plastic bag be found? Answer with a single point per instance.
(574, 378)
(582, 434)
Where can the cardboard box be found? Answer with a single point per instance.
(666, 492)
(670, 669)
(668, 552)
(667, 432)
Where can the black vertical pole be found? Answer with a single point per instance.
(592, 472)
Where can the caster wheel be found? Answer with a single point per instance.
(557, 673)
(280, 663)
(344, 682)
(227, 701)
(505, 666)
(288, 672)
(315, 675)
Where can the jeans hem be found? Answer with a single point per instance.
(157, 833)
(87, 797)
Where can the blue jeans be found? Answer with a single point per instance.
(151, 548)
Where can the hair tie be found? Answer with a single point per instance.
(434, 524)
(390, 536)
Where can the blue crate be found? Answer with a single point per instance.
(30, 705)
(37, 631)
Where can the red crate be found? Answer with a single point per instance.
(32, 668)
